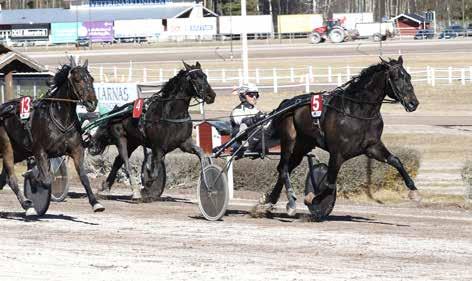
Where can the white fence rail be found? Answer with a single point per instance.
(276, 79)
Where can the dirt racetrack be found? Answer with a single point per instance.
(169, 240)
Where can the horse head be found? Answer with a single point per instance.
(198, 81)
(399, 84)
(82, 85)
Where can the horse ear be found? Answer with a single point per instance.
(86, 64)
(187, 67)
(198, 65)
(72, 62)
(384, 62)
(400, 59)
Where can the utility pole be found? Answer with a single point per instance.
(463, 14)
(314, 6)
(244, 55)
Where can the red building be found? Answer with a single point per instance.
(408, 24)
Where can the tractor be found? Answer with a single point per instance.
(332, 30)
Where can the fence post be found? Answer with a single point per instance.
(292, 75)
(115, 73)
(101, 74)
(130, 71)
(257, 76)
(223, 75)
(34, 89)
(463, 76)
(310, 72)
(428, 75)
(307, 84)
(274, 71)
(175, 71)
(144, 75)
(433, 77)
(330, 74)
(348, 72)
(340, 79)
(161, 75)
(449, 71)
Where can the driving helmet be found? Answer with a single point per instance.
(246, 89)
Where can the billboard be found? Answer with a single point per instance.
(65, 32)
(299, 23)
(110, 95)
(98, 31)
(138, 28)
(250, 24)
(192, 26)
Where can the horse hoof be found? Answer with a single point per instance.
(291, 211)
(137, 195)
(31, 212)
(309, 198)
(98, 208)
(104, 186)
(261, 210)
(414, 195)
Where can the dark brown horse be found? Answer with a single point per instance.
(165, 126)
(351, 126)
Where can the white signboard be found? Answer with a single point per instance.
(351, 19)
(250, 24)
(138, 28)
(192, 26)
(110, 95)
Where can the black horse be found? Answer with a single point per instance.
(165, 126)
(351, 126)
(55, 129)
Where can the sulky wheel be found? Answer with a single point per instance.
(60, 181)
(320, 207)
(213, 199)
(37, 193)
(153, 189)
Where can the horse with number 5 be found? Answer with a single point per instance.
(351, 125)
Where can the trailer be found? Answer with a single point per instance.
(375, 30)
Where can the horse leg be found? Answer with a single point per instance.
(78, 157)
(8, 174)
(3, 178)
(125, 151)
(110, 180)
(189, 146)
(380, 153)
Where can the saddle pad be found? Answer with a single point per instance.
(316, 106)
(138, 108)
(25, 107)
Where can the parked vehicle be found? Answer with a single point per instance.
(424, 34)
(469, 30)
(452, 31)
(82, 42)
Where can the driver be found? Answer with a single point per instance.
(245, 115)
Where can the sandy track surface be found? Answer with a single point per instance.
(169, 240)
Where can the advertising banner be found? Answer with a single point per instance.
(250, 24)
(65, 32)
(110, 95)
(98, 31)
(299, 23)
(192, 26)
(138, 28)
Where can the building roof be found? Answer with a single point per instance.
(87, 13)
(7, 56)
(414, 17)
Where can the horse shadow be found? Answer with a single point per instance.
(20, 216)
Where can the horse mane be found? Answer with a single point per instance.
(170, 86)
(59, 78)
(359, 82)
